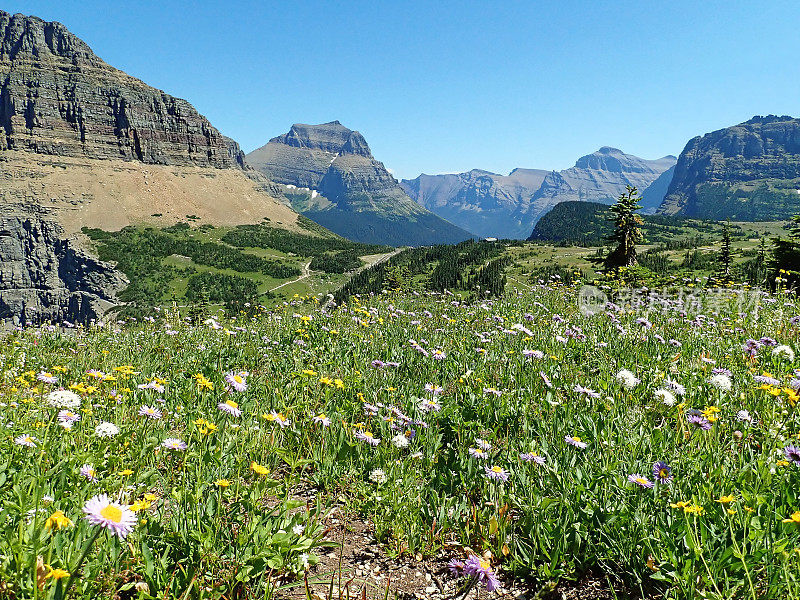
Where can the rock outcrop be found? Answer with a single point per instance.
(331, 176)
(487, 204)
(57, 97)
(45, 277)
(747, 172)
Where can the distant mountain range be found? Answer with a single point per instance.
(329, 174)
(748, 172)
(492, 205)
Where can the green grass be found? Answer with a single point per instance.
(203, 529)
(160, 263)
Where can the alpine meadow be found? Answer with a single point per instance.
(415, 331)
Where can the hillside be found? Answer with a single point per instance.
(508, 206)
(748, 172)
(90, 142)
(590, 224)
(84, 144)
(330, 176)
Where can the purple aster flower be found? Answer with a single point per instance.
(721, 371)
(47, 377)
(699, 421)
(768, 341)
(174, 444)
(433, 389)
(67, 418)
(662, 472)
(89, 473)
(766, 379)
(150, 412)
(640, 480)
(546, 379)
(429, 405)
(477, 453)
(366, 436)
(456, 567)
(574, 440)
(117, 518)
(495, 472)
(230, 407)
(237, 381)
(482, 571)
(751, 347)
(26, 440)
(482, 444)
(584, 390)
(792, 454)
(532, 457)
(377, 364)
(370, 409)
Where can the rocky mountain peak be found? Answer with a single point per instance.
(749, 171)
(24, 37)
(58, 98)
(330, 137)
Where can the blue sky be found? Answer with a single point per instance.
(439, 86)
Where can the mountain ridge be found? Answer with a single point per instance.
(749, 171)
(493, 205)
(332, 177)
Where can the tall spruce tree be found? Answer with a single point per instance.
(627, 232)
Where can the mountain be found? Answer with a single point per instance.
(599, 177)
(748, 172)
(84, 144)
(330, 176)
(509, 205)
(488, 204)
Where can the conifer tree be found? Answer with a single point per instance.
(627, 232)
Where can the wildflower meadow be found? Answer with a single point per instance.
(516, 439)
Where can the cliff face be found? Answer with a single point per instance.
(331, 176)
(57, 97)
(750, 171)
(488, 204)
(44, 277)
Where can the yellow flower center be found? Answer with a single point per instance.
(237, 379)
(112, 513)
(231, 403)
(484, 563)
(497, 469)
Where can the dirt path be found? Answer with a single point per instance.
(380, 259)
(307, 270)
(306, 273)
